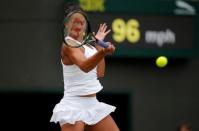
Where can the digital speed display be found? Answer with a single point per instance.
(148, 35)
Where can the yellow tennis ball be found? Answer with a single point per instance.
(161, 61)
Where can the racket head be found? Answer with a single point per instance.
(72, 42)
(74, 29)
(90, 39)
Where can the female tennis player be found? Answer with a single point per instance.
(79, 108)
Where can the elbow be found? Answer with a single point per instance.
(84, 69)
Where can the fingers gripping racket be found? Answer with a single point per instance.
(75, 26)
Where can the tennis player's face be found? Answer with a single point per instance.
(76, 26)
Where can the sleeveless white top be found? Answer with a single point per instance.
(77, 82)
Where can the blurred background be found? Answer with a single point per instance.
(147, 97)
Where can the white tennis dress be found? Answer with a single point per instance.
(72, 106)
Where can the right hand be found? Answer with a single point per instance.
(110, 49)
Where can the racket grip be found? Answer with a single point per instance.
(102, 43)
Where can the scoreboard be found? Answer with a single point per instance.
(136, 35)
(146, 28)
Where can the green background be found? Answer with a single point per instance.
(152, 8)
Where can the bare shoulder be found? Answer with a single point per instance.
(68, 54)
(68, 50)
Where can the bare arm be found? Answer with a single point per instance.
(101, 34)
(76, 56)
(101, 65)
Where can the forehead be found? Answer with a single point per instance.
(78, 16)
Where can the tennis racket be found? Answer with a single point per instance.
(90, 39)
(76, 27)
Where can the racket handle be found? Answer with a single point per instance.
(102, 43)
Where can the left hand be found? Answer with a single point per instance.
(102, 32)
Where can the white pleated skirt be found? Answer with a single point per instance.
(75, 108)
